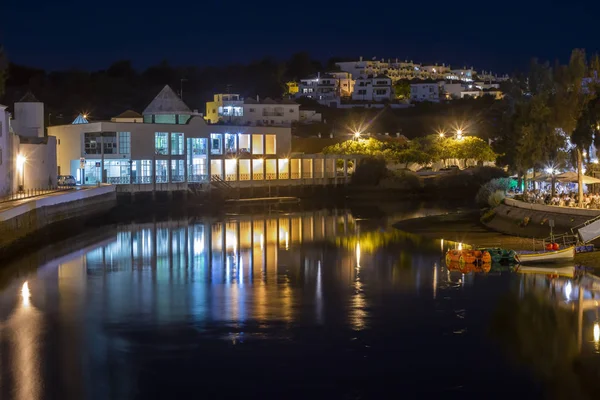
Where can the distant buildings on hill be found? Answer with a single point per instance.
(376, 82)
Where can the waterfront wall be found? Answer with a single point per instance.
(518, 218)
(25, 224)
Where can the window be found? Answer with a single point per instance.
(92, 143)
(177, 144)
(291, 110)
(146, 170)
(162, 174)
(362, 91)
(230, 145)
(161, 146)
(198, 146)
(270, 144)
(165, 119)
(257, 144)
(381, 92)
(148, 119)
(251, 110)
(183, 119)
(244, 142)
(124, 142)
(216, 143)
(177, 171)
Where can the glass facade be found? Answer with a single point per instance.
(230, 143)
(244, 142)
(270, 144)
(161, 144)
(162, 174)
(124, 142)
(258, 144)
(177, 144)
(216, 143)
(177, 171)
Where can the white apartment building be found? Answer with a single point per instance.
(425, 91)
(269, 112)
(225, 107)
(327, 89)
(394, 69)
(378, 88)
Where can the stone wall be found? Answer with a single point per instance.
(22, 226)
(533, 220)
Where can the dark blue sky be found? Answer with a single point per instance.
(496, 35)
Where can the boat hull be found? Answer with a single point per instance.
(556, 256)
(567, 272)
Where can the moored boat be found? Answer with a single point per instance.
(568, 272)
(546, 256)
(500, 255)
(475, 257)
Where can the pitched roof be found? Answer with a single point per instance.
(79, 120)
(167, 102)
(129, 114)
(28, 98)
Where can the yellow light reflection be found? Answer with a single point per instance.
(358, 255)
(287, 241)
(597, 333)
(460, 246)
(442, 246)
(25, 294)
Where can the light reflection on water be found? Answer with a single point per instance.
(318, 287)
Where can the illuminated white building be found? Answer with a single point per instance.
(269, 112)
(27, 155)
(378, 88)
(225, 107)
(427, 91)
(328, 89)
(175, 145)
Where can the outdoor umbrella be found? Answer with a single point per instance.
(571, 177)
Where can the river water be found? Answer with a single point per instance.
(313, 304)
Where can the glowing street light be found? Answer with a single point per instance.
(356, 135)
(442, 135)
(459, 134)
(21, 160)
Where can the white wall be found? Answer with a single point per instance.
(7, 166)
(268, 114)
(425, 92)
(29, 119)
(40, 166)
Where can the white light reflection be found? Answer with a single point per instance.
(460, 246)
(25, 294)
(597, 333)
(262, 241)
(442, 245)
(568, 290)
(319, 294)
(357, 255)
(287, 241)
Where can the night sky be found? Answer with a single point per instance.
(498, 36)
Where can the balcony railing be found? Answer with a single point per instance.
(162, 179)
(231, 177)
(272, 114)
(258, 177)
(284, 175)
(295, 175)
(118, 180)
(142, 179)
(307, 175)
(178, 178)
(271, 176)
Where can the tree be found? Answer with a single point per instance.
(570, 101)
(402, 90)
(3, 70)
(416, 156)
(474, 148)
(300, 66)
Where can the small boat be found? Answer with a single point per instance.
(568, 272)
(500, 255)
(462, 257)
(546, 256)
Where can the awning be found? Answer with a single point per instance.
(571, 177)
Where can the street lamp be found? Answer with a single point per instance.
(356, 135)
(459, 134)
(21, 160)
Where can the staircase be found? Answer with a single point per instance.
(218, 183)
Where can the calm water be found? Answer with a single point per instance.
(284, 306)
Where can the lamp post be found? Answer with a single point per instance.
(21, 159)
(459, 134)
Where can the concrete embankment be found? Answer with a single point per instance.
(28, 223)
(518, 218)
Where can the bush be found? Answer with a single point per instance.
(493, 192)
(370, 171)
(468, 182)
(402, 180)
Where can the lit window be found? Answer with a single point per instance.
(244, 142)
(257, 144)
(230, 145)
(270, 144)
(165, 119)
(161, 145)
(177, 144)
(216, 143)
(198, 146)
(124, 142)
